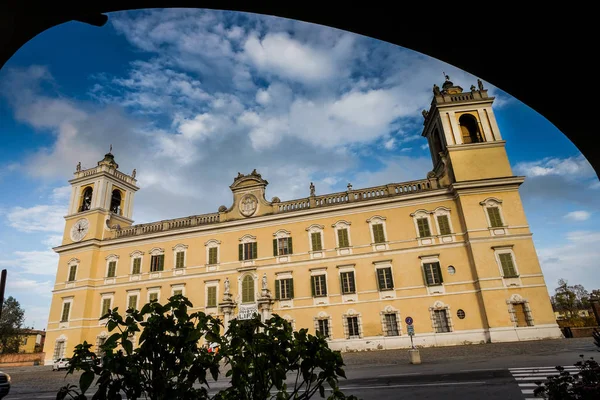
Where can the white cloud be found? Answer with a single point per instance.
(29, 287)
(53, 240)
(40, 218)
(61, 194)
(390, 144)
(32, 262)
(576, 166)
(578, 215)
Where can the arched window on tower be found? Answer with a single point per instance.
(436, 145)
(86, 202)
(470, 129)
(115, 202)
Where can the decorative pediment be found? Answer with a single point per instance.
(250, 180)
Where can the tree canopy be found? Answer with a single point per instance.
(11, 324)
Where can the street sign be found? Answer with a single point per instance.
(411, 330)
(408, 321)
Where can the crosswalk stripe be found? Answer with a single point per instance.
(529, 368)
(538, 374)
(527, 385)
(527, 391)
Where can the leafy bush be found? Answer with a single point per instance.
(583, 385)
(170, 364)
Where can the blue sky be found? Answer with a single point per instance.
(191, 97)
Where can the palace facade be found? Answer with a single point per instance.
(452, 251)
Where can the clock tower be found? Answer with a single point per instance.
(101, 198)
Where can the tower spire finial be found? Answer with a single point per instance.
(446, 76)
(110, 149)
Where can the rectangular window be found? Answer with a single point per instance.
(212, 255)
(352, 327)
(132, 302)
(105, 307)
(248, 251)
(319, 285)
(494, 214)
(315, 239)
(72, 272)
(179, 259)
(423, 225)
(112, 269)
(248, 289)
(211, 296)
(508, 266)
(444, 224)
(323, 327)
(521, 315)
(177, 292)
(65, 312)
(348, 285)
(137, 266)
(282, 246)
(157, 263)
(284, 289)
(384, 278)
(343, 238)
(378, 235)
(153, 296)
(433, 274)
(59, 349)
(391, 325)
(441, 321)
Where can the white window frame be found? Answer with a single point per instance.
(374, 220)
(349, 297)
(211, 244)
(104, 296)
(324, 316)
(134, 292)
(70, 300)
(180, 248)
(152, 290)
(321, 300)
(444, 238)
(426, 259)
(72, 262)
(110, 258)
(178, 286)
(342, 224)
(316, 228)
(207, 284)
(352, 313)
(282, 234)
(390, 310)
(494, 202)
(438, 306)
(247, 238)
(133, 255)
(156, 251)
(424, 241)
(507, 249)
(388, 293)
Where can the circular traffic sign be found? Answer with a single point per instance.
(408, 321)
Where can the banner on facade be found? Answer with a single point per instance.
(247, 311)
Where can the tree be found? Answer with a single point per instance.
(169, 363)
(570, 299)
(11, 323)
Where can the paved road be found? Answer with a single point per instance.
(489, 371)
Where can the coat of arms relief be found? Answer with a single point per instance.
(248, 205)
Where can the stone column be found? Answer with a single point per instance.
(265, 304)
(227, 306)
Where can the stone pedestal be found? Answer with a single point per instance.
(414, 357)
(265, 304)
(227, 306)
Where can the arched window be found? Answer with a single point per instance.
(470, 129)
(86, 202)
(436, 145)
(248, 289)
(115, 202)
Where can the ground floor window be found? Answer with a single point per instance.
(323, 327)
(352, 325)
(441, 323)
(522, 315)
(99, 342)
(59, 349)
(391, 325)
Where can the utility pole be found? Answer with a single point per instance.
(2, 286)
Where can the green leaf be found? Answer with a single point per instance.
(85, 380)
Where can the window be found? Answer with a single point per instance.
(319, 285)
(343, 240)
(423, 225)
(342, 237)
(153, 296)
(391, 325)
(59, 349)
(378, 235)
(461, 314)
(157, 263)
(444, 225)
(66, 310)
(494, 215)
(282, 246)
(212, 255)
(384, 278)
(211, 296)
(284, 289)
(178, 292)
(106, 305)
(112, 269)
(432, 273)
(86, 201)
(520, 315)
(179, 259)
(316, 242)
(441, 321)
(132, 302)
(115, 202)
(348, 284)
(72, 272)
(137, 266)
(508, 266)
(469, 127)
(248, 251)
(520, 311)
(352, 327)
(248, 289)
(323, 327)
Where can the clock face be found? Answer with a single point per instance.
(79, 229)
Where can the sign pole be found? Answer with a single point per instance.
(2, 287)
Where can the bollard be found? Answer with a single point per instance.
(414, 356)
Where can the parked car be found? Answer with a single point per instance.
(4, 384)
(61, 363)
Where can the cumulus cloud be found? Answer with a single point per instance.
(576, 166)
(32, 262)
(40, 218)
(578, 215)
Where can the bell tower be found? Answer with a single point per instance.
(101, 197)
(463, 136)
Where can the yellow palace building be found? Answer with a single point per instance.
(453, 251)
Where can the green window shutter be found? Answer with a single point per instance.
(290, 247)
(212, 255)
(161, 262)
(137, 265)
(177, 292)
(439, 272)
(494, 214)
(508, 266)
(72, 273)
(105, 307)
(254, 250)
(390, 277)
(241, 251)
(277, 289)
(426, 275)
(275, 247)
(316, 241)
(444, 224)
(312, 285)
(343, 237)
(378, 235)
(352, 283)
(65, 313)
(423, 225)
(291, 288)
(153, 296)
(211, 295)
(381, 279)
(179, 259)
(132, 302)
(248, 289)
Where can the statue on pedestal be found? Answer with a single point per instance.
(264, 281)
(226, 286)
(312, 189)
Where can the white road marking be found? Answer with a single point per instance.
(527, 376)
(411, 373)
